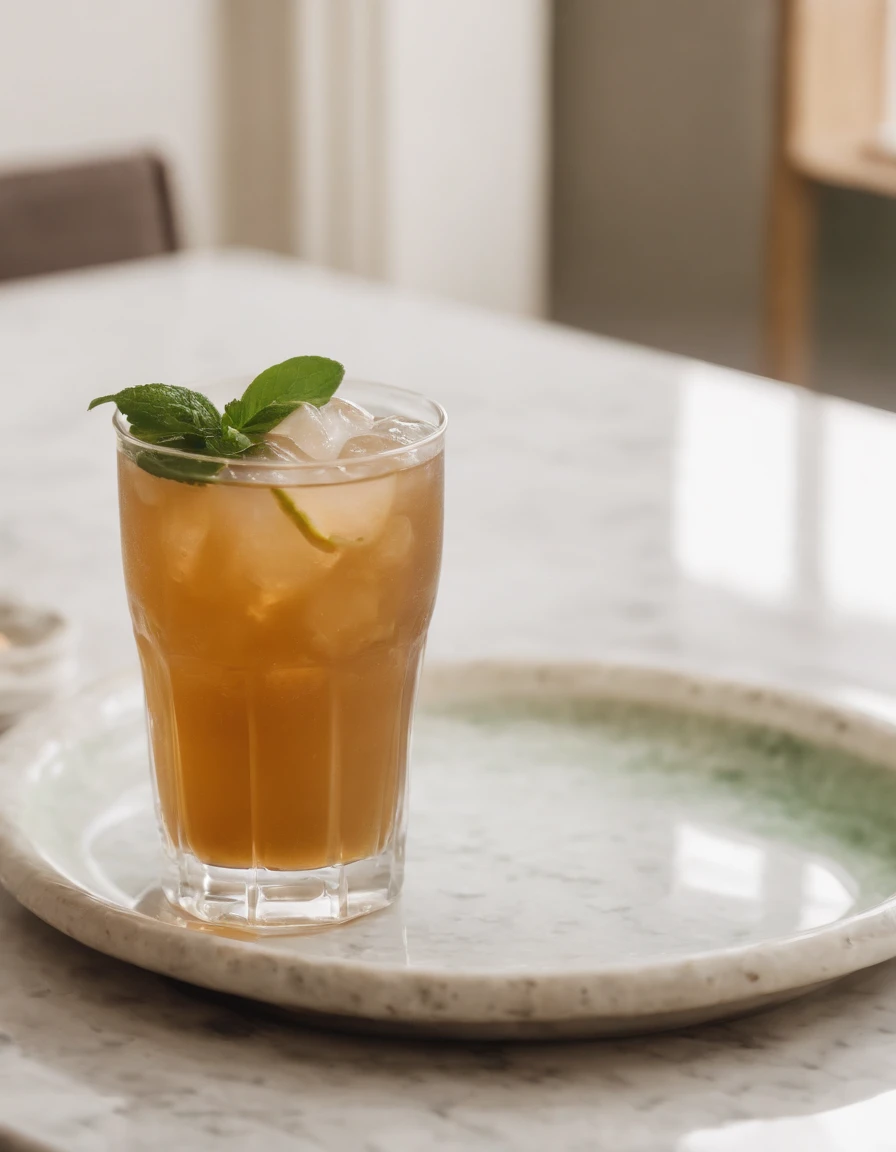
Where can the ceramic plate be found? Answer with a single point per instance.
(593, 850)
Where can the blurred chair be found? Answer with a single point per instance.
(831, 57)
(53, 219)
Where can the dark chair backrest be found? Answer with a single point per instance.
(53, 219)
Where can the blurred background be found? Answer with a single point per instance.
(712, 177)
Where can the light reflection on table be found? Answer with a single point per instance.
(735, 512)
(760, 470)
(868, 1126)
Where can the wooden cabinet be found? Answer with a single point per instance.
(831, 69)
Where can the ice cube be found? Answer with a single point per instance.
(306, 429)
(395, 545)
(367, 445)
(385, 435)
(349, 514)
(401, 432)
(149, 489)
(281, 448)
(344, 619)
(322, 432)
(273, 449)
(185, 523)
(264, 549)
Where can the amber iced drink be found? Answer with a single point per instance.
(280, 607)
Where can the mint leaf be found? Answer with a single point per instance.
(280, 390)
(183, 468)
(189, 443)
(228, 441)
(161, 410)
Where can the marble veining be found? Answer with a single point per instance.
(603, 501)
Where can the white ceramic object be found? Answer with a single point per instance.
(36, 658)
(594, 850)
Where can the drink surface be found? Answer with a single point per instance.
(280, 667)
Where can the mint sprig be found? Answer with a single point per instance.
(166, 416)
(279, 390)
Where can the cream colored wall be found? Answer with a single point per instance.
(81, 77)
(423, 151)
(466, 149)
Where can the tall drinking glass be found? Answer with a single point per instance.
(280, 611)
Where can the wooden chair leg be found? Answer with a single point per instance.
(791, 224)
(789, 278)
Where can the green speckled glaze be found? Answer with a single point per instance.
(755, 779)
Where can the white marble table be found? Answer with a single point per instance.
(603, 501)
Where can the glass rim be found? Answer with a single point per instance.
(125, 435)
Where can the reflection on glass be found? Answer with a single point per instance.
(858, 489)
(735, 484)
(798, 892)
(865, 1127)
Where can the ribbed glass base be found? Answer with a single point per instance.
(262, 899)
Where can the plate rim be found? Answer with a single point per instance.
(702, 982)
